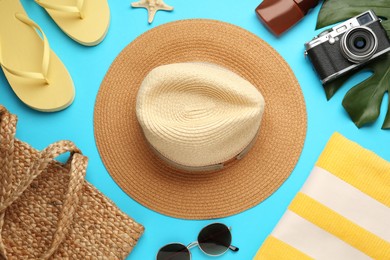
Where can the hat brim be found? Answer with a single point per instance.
(244, 184)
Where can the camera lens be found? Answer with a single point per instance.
(359, 44)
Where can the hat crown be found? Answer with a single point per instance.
(198, 114)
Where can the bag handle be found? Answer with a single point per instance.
(77, 165)
(7, 148)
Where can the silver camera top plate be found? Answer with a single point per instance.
(332, 35)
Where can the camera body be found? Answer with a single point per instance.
(347, 46)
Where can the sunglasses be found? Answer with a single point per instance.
(214, 240)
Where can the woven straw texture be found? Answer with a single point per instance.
(242, 185)
(48, 211)
(197, 114)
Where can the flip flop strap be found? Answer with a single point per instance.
(77, 9)
(77, 165)
(41, 76)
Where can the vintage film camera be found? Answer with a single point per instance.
(347, 46)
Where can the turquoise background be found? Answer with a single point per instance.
(88, 65)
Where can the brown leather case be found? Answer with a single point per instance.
(281, 15)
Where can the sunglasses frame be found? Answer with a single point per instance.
(196, 243)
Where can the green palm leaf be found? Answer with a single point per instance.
(363, 101)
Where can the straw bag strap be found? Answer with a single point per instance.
(7, 151)
(77, 165)
(7, 148)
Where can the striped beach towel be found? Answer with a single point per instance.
(341, 212)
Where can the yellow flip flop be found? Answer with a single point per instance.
(85, 21)
(33, 70)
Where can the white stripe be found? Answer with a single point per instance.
(349, 202)
(314, 241)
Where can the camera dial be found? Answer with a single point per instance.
(359, 44)
(327, 31)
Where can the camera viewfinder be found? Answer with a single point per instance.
(365, 18)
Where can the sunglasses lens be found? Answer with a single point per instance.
(215, 239)
(174, 252)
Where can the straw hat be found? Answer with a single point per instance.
(198, 116)
(167, 117)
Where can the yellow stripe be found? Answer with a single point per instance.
(274, 249)
(340, 227)
(359, 167)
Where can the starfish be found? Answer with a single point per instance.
(152, 6)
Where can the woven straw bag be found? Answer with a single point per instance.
(48, 210)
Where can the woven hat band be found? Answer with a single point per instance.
(206, 168)
(198, 116)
